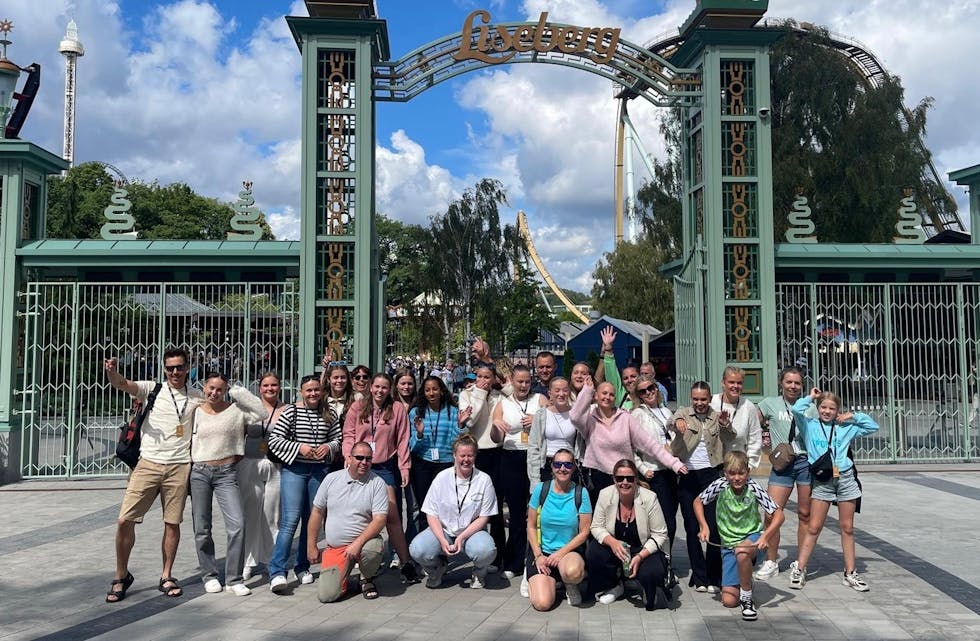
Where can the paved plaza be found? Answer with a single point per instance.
(917, 547)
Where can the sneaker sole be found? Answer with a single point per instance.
(750, 617)
(857, 588)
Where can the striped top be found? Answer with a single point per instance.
(299, 425)
(439, 430)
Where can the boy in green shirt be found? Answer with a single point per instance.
(740, 528)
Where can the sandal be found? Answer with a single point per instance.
(369, 590)
(173, 590)
(114, 595)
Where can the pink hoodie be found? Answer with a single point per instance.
(607, 444)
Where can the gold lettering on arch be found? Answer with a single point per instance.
(500, 44)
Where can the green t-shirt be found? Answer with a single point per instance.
(779, 415)
(737, 515)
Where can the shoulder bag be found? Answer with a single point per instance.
(782, 456)
(130, 436)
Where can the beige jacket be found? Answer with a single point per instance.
(716, 437)
(650, 522)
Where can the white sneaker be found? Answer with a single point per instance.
(434, 578)
(477, 582)
(239, 589)
(797, 577)
(306, 577)
(609, 596)
(712, 589)
(247, 572)
(509, 575)
(767, 570)
(572, 594)
(278, 584)
(525, 587)
(213, 586)
(854, 580)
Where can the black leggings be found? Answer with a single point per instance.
(664, 485)
(606, 570)
(488, 461)
(705, 568)
(515, 487)
(421, 476)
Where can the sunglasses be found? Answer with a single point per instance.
(646, 390)
(174, 368)
(360, 377)
(562, 465)
(336, 363)
(308, 378)
(624, 479)
(362, 457)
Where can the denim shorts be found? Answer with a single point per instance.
(729, 566)
(844, 488)
(797, 473)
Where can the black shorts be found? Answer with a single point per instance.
(531, 568)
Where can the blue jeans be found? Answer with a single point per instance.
(221, 482)
(427, 552)
(298, 485)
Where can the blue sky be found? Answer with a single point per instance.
(207, 92)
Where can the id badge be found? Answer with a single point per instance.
(523, 437)
(434, 453)
(263, 447)
(836, 472)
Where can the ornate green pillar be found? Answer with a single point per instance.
(728, 186)
(24, 168)
(338, 263)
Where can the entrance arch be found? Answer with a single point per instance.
(718, 75)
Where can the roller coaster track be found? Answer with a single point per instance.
(525, 233)
(874, 75)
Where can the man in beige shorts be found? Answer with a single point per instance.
(163, 469)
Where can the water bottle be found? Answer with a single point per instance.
(626, 560)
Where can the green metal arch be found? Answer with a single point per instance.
(637, 70)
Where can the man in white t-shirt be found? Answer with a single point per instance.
(163, 469)
(351, 509)
(458, 505)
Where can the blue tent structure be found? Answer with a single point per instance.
(629, 339)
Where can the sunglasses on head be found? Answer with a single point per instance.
(174, 368)
(309, 377)
(336, 363)
(562, 465)
(643, 391)
(363, 457)
(624, 478)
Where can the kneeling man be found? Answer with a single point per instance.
(354, 503)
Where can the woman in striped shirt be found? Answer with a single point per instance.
(306, 438)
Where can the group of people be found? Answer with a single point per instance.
(592, 470)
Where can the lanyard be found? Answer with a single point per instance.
(374, 424)
(831, 445)
(434, 425)
(177, 408)
(459, 501)
(527, 402)
(658, 416)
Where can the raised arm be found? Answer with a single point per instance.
(581, 413)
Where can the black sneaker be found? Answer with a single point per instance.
(749, 613)
(409, 574)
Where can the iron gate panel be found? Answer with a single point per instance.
(689, 325)
(905, 354)
(71, 413)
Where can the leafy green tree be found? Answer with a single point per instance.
(469, 252)
(402, 257)
(76, 203)
(628, 284)
(850, 147)
(568, 363)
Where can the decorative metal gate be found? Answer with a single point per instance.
(906, 354)
(689, 324)
(71, 413)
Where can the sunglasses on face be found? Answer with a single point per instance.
(174, 368)
(562, 465)
(624, 478)
(361, 377)
(362, 457)
(646, 390)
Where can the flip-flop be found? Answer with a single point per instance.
(114, 595)
(168, 590)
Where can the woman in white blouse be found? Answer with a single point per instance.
(552, 430)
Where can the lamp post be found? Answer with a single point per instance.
(9, 73)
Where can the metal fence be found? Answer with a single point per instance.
(71, 413)
(689, 328)
(906, 354)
